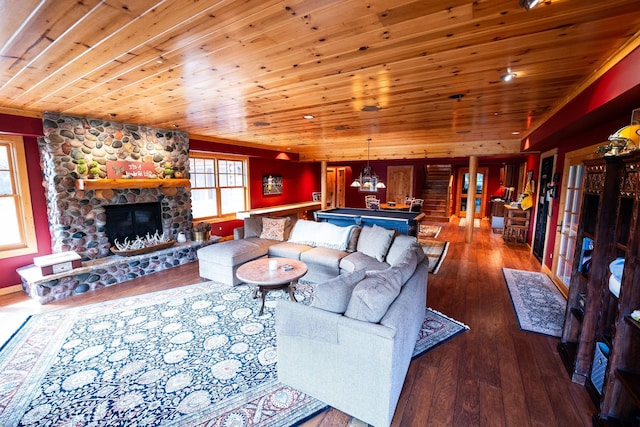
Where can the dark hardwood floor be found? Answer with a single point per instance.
(493, 375)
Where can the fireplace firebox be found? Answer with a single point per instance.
(132, 220)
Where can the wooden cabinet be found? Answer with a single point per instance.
(600, 344)
(516, 224)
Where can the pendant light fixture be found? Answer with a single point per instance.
(368, 179)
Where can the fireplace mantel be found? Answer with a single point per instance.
(110, 184)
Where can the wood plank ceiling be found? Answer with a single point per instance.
(247, 71)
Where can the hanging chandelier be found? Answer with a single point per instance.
(368, 179)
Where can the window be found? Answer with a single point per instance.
(18, 235)
(218, 185)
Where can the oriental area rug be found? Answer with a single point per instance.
(539, 305)
(190, 356)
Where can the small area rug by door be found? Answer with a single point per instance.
(194, 355)
(436, 251)
(538, 303)
(428, 231)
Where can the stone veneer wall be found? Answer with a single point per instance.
(76, 217)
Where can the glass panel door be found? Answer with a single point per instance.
(463, 191)
(569, 225)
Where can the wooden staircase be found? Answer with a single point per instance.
(436, 194)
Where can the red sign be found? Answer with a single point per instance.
(125, 169)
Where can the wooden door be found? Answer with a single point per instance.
(481, 192)
(331, 187)
(399, 183)
(336, 184)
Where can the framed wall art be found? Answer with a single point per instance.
(271, 184)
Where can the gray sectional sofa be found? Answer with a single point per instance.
(328, 250)
(351, 347)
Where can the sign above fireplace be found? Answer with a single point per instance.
(117, 169)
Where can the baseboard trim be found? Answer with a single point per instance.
(10, 289)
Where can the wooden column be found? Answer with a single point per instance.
(323, 183)
(471, 198)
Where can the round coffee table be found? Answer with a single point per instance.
(257, 273)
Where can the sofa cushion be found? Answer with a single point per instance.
(235, 252)
(375, 241)
(360, 261)
(273, 228)
(324, 256)
(352, 246)
(293, 218)
(287, 250)
(334, 295)
(400, 244)
(372, 297)
(333, 236)
(406, 264)
(253, 226)
(303, 232)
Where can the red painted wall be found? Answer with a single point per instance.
(29, 128)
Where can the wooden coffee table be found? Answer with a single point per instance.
(257, 273)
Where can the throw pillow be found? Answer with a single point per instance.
(352, 246)
(334, 294)
(273, 228)
(332, 236)
(304, 232)
(253, 226)
(375, 241)
(289, 225)
(406, 265)
(400, 244)
(372, 297)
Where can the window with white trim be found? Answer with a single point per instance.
(18, 235)
(218, 185)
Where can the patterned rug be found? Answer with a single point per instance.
(435, 250)
(538, 304)
(191, 356)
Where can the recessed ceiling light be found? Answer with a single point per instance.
(457, 96)
(309, 116)
(515, 133)
(371, 108)
(529, 4)
(508, 77)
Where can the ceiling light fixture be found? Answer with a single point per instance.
(309, 116)
(371, 108)
(529, 4)
(368, 179)
(508, 77)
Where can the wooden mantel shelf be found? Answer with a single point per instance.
(111, 184)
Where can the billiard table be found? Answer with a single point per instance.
(403, 222)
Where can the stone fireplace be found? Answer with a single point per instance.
(77, 219)
(77, 207)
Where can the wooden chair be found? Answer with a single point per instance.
(373, 204)
(416, 205)
(408, 200)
